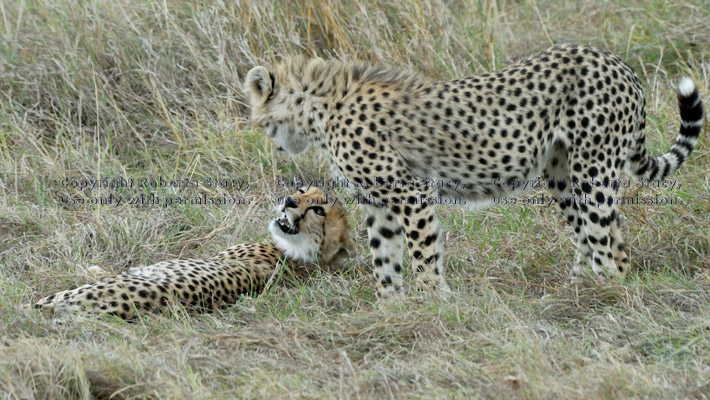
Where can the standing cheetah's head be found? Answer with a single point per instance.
(312, 228)
(288, 101)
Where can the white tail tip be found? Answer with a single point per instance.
(686, 87)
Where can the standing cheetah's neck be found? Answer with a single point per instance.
(326, 85)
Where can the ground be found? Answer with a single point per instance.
(152, 90)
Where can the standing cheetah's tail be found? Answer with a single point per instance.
(691, 116)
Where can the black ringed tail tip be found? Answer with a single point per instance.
(690, 106)
(691, 109)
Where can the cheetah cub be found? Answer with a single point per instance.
(573, 115)
(310, 230)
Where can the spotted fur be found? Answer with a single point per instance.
(572, 114)
(309, 231)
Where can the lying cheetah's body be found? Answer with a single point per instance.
(310, 231)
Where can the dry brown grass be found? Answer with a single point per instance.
(148, 89)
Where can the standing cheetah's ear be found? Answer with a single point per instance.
(259, 84)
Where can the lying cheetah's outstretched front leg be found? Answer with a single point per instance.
(385, 235)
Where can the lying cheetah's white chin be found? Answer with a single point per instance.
(295, 246)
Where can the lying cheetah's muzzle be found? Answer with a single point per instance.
(286, 226)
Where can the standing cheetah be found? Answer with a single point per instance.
(310, 231)
(571, 114)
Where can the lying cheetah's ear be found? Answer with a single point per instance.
(259, 84)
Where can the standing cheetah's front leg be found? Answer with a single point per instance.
(385, 235)
(421, 228)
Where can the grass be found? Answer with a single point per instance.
(148, 89)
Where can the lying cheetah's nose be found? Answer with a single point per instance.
(290, 203)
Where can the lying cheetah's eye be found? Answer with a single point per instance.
(302, 190)
(318, 210)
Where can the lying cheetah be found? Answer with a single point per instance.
(571, 114)
(310, 231)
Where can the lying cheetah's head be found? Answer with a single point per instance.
(287, 101)
(311, 228)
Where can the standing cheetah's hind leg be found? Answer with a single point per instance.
(596, 191)
(560, 186)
